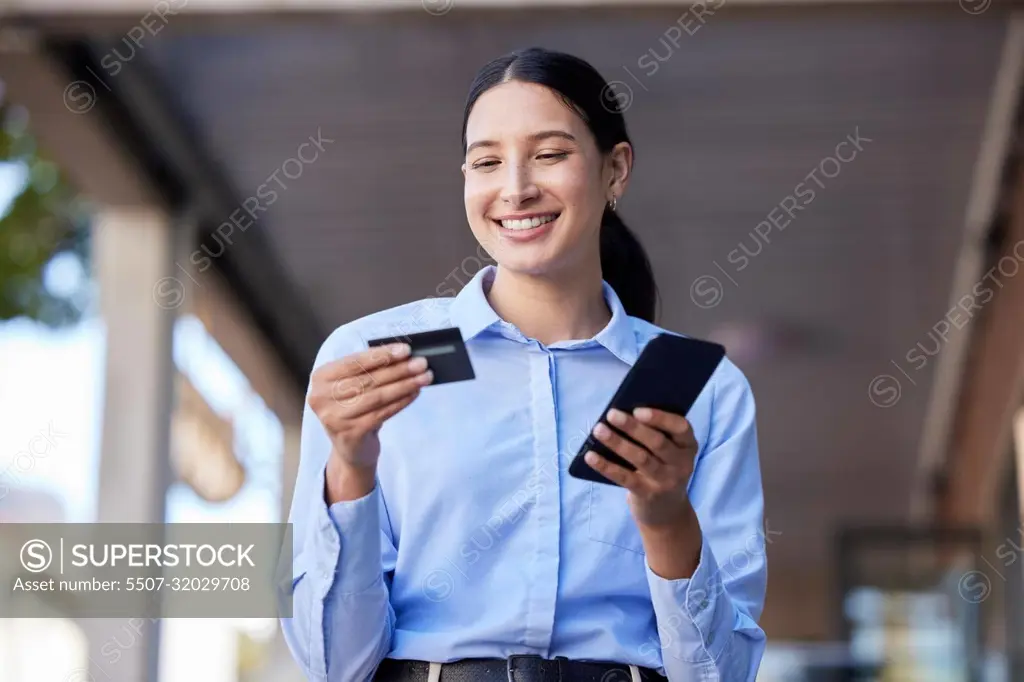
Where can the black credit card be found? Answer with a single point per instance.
(669, 375)
(444, 350)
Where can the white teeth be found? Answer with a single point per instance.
(528, 223)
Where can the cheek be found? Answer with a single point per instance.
(477, 197)
(575, 187)
(578, 196)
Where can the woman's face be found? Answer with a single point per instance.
(536, 183)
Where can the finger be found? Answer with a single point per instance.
(675, 425)
(645, 462)
(347, 390)
(381, 396)
(377, 417)
(365, 361)
(369, 421)
(629, 480)
(651, 438)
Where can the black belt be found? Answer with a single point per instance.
(518, 668)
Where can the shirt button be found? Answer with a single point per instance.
(703, 605)
(711, 639)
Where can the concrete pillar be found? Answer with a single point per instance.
(133, 258)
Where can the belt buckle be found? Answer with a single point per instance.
(510, 663)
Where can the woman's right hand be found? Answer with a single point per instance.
(353, 397)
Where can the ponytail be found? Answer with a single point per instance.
(625, 266)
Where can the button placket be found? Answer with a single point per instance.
(545, 512)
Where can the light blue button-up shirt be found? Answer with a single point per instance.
(477, 543)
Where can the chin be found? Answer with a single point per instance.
(532, 264)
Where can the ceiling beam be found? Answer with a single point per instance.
(140, 20)
(69, 132)
(121, 143)
(993, 384)
(77, 16)
(194, 187)
(171, 7)
(981, 211)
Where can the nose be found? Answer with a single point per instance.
(518, 187)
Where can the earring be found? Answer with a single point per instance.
(613, 202)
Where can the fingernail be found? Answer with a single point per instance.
(643, 413)
(400, 350)
(426, 377)
(616, 417)
(601, 430)
(418, 364)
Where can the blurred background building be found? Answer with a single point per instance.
(194, 193)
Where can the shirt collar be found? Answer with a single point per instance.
(473, 314)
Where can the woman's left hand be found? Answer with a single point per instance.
(657, 489)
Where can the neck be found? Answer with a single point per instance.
(548, 308)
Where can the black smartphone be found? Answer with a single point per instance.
(669, 374)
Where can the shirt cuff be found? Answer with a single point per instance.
(695, 615)
(345, 543)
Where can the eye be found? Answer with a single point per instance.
(484, 163)
(553, 155)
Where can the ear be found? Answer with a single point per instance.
(620, 166)
(463, 170)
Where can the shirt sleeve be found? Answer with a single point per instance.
(342, 557)
(708, 623)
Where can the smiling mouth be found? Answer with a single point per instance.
(527, 223)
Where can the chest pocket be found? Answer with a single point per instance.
(610, 519)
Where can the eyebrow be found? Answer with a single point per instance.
(535, 137)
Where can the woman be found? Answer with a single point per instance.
(437, 533)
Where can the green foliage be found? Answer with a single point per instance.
(44, 221)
